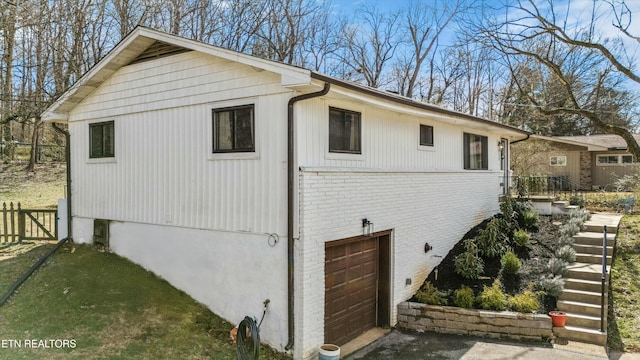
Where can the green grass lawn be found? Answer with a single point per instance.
(624, 309)
(111, 309)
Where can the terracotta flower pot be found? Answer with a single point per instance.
(558, 318)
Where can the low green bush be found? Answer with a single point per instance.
(431, 295)
(552, 286)
(525, 302)
(569, 229)
(463, 297)
(577, 200)
(492, 298)
(510, 263)
(566, 253)
(469, 264)
(521, 237)
(530, 219)
(557, 266)
(492, 239)
(564, 240)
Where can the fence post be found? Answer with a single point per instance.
(12, 218)
(4, 234)
(21, 224)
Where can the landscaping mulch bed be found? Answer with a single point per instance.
(534, 256)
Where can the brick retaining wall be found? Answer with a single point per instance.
(492, 324)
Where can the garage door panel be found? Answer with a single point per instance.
(350, 289)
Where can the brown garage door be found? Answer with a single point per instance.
(351, 277)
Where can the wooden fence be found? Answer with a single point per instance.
(17, 224)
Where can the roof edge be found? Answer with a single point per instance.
(413, 103)
(290, 75)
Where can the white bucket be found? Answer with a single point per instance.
(329, 352)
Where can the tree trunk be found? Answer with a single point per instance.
(33, 154)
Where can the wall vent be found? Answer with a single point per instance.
(101, 233)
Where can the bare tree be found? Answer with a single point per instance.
(370, 44)
(9, 12)
(424, 23)
(585, 65)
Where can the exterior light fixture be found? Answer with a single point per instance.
(367, 227)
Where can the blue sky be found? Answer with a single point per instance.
(579, 11)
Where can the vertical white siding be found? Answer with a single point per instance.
(389, 139)
(163, 171)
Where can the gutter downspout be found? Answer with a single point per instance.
(517, 141)
(67, 151)
(290, 204)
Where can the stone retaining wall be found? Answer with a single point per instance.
(454, 320)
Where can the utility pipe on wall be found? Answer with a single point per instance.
(290, 204)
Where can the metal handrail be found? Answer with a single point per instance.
(604, 276)
(549, 185)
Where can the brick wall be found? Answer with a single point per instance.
(585, 170)
(434, 207)
(454, 320)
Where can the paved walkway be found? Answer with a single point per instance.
(403, 345)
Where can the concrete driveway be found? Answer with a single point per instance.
(412, 346)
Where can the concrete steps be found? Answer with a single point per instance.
(581, 334)
(582, 295)
(583, 285)
(574, 307)
(586, 297)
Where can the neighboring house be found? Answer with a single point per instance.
(239, 179)
(589, 162)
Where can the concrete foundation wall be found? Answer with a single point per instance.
(232, 273)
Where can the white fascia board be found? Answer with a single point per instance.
(409, 110)
(55, 117)
(291, 75)
(86, 78)
(590, 147)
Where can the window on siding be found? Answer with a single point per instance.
(476, 152)
(233, 129)
(558, 160)
(344, 131)
(615, 159)
(426, 135)
(101, 140)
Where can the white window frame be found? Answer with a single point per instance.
(617, 163)
(561, 160)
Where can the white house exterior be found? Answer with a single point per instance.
(150, 153)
